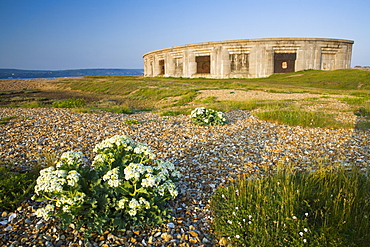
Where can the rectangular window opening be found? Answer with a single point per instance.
(161, 67)
(284, 62)
(203, 64)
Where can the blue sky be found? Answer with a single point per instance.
(74, 34)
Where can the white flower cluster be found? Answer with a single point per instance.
(45, 211)
(204, 116)
(136, 170)
(198, 112)
(71, 158)
(122, 203)
(103, 159)
(68, 202)
(116, 141)
(144, 149)
(113, 177)
(165, 169)
(149, 180)
(50, 180)
(154, 176)
(72, 178)
(137, 205)
(167, 186)
(108, 149)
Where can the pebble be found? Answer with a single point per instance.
(208, 157)
(170, 225)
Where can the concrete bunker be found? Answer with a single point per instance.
(248, 58)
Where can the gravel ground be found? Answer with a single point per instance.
(208, 157)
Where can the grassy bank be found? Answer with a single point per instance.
(171, 96)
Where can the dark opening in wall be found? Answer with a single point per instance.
(284, 62)
(203, 64)
(161, 67)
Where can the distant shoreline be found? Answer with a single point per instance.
(32, 78)
(16, 74)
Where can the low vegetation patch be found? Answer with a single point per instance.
(5, 120)
(230, 105)
(363, 112)
(128, 94)
(302, 118)
(354, 100)
(69, 103)
(329, 206)
(131, 122)
(15, 187)
(174, 112)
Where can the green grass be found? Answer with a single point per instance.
(5, 120)
(343, 79)
(15, 187)
(329, 206)
(33, 104)
(355, 100)
(302, 118)
(174, 112)
(186, 98)
(69, 103)
(313, 81)
(117, 109)
(234, 105)
(135, 93)
(132, 122)
(364, 112)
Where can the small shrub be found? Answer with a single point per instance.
(363, 112)
(329, 206)
(131, 122)
(123, 187)
(69, 103)
(82, 110)
(33, 104)
(354, 100)
(117, 109)
(5, 120)
(235, 105)
(302, 118)
(15, 187)
(203, 116)
(362, 125)
(173, 113)
(210, 99)
(186, 98)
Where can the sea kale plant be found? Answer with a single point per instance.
(204, 116)
(124, 186)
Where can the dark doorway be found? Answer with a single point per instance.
(161, 67)
(203, 64)
(284, 62)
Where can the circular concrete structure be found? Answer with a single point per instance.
(248, 58)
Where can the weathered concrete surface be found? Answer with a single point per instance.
(249, 58)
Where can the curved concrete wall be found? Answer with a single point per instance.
(248, 58)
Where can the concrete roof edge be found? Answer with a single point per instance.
(251, 41)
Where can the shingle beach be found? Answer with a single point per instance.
(208, 157)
